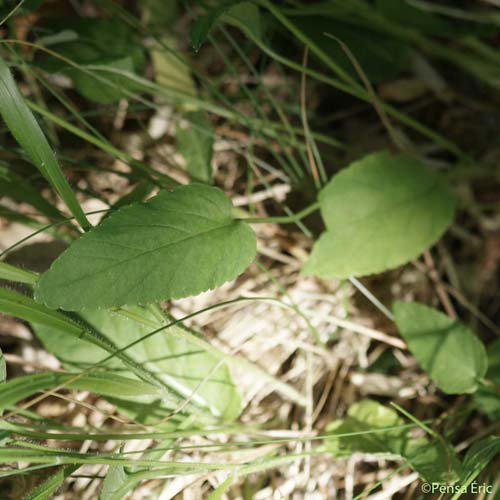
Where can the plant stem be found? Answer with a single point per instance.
(285, 219)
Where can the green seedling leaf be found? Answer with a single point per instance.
(380, 212)
(106, 51)
(431, 459)
(454, 358)
(195, 140)
(179, 243)
(12, 273)
(23, 126)
(188, 370)
(487, 397)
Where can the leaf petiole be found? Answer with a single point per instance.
(285, 219)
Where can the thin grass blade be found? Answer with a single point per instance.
(29, 135)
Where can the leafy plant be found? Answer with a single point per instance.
(170, 385)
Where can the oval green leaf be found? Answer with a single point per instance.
(380, 212)
(445, 348)
(179, 243)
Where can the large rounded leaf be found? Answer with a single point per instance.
(447, 350)
(179, 243)
(380, 213)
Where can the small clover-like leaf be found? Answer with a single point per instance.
(380, 212)
(179, 243)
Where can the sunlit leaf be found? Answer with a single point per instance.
(445, 348)
(380, 212)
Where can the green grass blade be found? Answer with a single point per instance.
(29, 135)
(12, 273)
(106, 384)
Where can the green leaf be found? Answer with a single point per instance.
(20, 306)
(106, 384)
(364, 416)
(245, 14)
(195, 140)
(106, 81)
(29, 135)
(180, 364)
(380, 212)
(171, 71)
(179, 243)
(50, 485)
(204, 24)
(115, 478)
(445, 348)
(478, 456)
(12, 273)
(431, 459)
(487, 397)
(107, 52)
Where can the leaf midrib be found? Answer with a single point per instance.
(147, 252)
